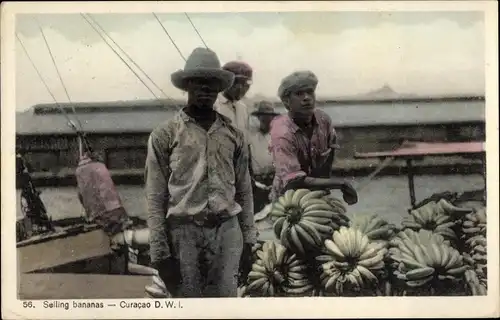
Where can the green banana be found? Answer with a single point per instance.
(294, 237)
(297, 196)
(420, 273)
(311, 195)
(420, 282)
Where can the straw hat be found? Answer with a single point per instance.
(203, 63)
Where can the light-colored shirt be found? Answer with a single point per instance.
(262, 160)
(296, 156)
(191, 171)
(236, 111)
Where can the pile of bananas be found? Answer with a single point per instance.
(277, 273)
(476, 285)
(438, 217)
(304, 219)
(373, 226)
(477, 257)
(474, 223)
(423, 257)
(350, 262)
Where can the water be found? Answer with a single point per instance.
(387, 197)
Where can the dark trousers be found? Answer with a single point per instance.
(208, 258)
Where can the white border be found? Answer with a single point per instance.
(257, 308)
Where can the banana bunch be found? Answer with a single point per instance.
(350, 261)
(475, 223)
(422, 258)
(277, 273)
(373, 226)
(476, 286)
(434, 217)
(305, 219)
(477, 257)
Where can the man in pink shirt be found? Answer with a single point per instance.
(303, 141)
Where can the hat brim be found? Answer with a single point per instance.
(223, 79)
(260, 113)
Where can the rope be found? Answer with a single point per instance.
(59, 74)
(171, 40)
(70, 122)
(123, 60)
(126, 55)
(194, 27)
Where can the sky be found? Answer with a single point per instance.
(425, 53)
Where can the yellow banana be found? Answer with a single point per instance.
(288, 196)
(318, 220)
(367, 274)
(319, 213)
(417, 215)
(371, 262)
(419, 256)
(317, 194)
(369, 253)
(253, 275)
(437, 254)
(334, 249)
(297, 276)
(297, 195)
(340, 242)
(257, 284)
(330, 283)
(280, 254)
(258, 268)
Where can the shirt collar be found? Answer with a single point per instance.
(186, 118)
(294, 127)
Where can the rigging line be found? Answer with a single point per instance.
(119, 56)
(70, 122)
(59, 74)
(199, 35)
(171, 40)
(126, 55)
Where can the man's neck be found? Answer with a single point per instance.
(231, 99)
(303, 122)
(200, 114)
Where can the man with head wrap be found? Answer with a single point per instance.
(303, 141)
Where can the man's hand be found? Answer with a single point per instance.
(169, 272)
(349, 193)
(245, 263)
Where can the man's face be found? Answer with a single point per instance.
(202, 92)
(265, 122)
(239, 89)
(301, 102)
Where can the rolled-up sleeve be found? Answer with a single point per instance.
(244, 193)
(286, 163)
(157, 199)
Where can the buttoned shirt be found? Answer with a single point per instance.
(236, 111)
(295, 156)
(191, 171)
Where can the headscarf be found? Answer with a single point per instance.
(296, 80)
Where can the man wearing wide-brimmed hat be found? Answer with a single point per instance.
(199, 190)
(262, 169)
(303, 141)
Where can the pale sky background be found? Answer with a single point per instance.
(426, 53)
